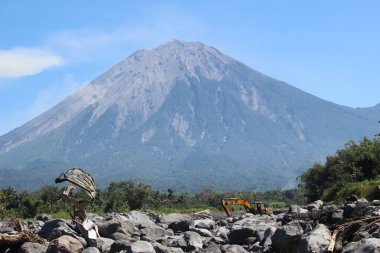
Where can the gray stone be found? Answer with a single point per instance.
(30, 247)
(233, 249)
(212, 249)
(163, 249)
(141, 247)
(54, 229)
(155, 232)
(180, 226)
(315, 241)
(316, 205)
(204, 223)
(287, 236)
(174, 217)
(91, 250)
(363, 246)
(104, 244)
(65, 244)
(222, 232)
(176, 241)
(239, 235)
(120, 246)
(193, 240)
(115, 223)
(337, 215)
(202, 232)
(297, 209)
(140, 219)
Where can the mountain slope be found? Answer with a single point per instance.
(184, 116)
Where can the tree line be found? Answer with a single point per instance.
(131, 195)
(352, 170)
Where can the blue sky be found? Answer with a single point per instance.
(49, 49)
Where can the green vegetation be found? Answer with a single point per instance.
(353, 170)
(129, 195)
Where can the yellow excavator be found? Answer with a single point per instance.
(255, 207)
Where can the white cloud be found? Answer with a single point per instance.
(20, 61)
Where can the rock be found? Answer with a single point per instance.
(141, 247)
(44, 217)
(193, 240)
(239, 235)
(140, 219)
(104, 244)
(115, 223)
(222, 232)
(315, 206)
(121, 236)
(337, 215)
(65, 244)
(163, 249)
(155, 232)
(177, 241)
(315, 241)
(30, 247)
(233, 249)
(208, 224)
(352, 198)
(373, 210)
(91, 250)
(212, 249)
(363, 246)
(180, 226)
(202, 232)
(376, 202)
(296, 209)
(120, 246)
(174, 217)
(287, 237)
(54, 229)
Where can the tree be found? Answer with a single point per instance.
(355, 163)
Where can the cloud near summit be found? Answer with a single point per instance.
(21, 61)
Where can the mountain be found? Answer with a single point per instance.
(182, 116)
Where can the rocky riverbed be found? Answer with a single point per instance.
(355, 227)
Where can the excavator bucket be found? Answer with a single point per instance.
(80, 179)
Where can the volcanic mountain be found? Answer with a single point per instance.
(182, 116)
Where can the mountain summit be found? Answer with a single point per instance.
(182, 116)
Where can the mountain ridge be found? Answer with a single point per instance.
(184, 114)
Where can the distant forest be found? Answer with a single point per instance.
(352, 170)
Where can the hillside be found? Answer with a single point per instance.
(182, 116)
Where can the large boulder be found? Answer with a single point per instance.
(139, 219)
(208, 224)
(193, 240)
(120, 246)
(91, 250)
(54, 229)
(241, 235)
(159, 248)
(287, 237)
(30, 247)
(315, 241)
(155, 232)
(174, 217)
(65, 244)
(141, 247)
(104, 244)
(233, 249)
(363, 246)
(115, 223)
